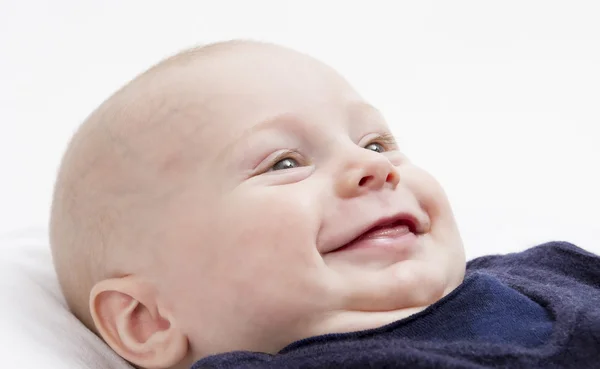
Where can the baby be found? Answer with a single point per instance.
(240, 205)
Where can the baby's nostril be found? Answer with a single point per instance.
(389, 177)
(363, 181)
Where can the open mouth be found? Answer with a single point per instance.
(389, 228)
(395, 228)
(399, 225)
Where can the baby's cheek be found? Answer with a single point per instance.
(275, 215)
(429, 193)
(275, 241)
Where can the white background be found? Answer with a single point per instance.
(499, 99)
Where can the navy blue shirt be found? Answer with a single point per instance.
(535, 309)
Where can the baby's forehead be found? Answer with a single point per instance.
(194, 108)
(217, 124)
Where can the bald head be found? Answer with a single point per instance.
(121, 167)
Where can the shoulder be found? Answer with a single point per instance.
(556, 258)
(549, 252)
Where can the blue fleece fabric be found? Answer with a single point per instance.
(535, 309)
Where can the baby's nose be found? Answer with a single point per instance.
(370, 171)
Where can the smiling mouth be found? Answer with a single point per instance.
(393, 229)
(384, 231)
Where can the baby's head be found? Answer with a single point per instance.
(225, 200)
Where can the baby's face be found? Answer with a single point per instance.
(300, 215)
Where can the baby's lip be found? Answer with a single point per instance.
(415, 226)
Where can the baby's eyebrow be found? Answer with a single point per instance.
(291, 122)
(282, 121)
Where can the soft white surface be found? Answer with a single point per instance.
(498, 99)
(36, 329)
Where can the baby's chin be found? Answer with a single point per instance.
(355, 321)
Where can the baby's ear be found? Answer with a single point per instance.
(129, 318)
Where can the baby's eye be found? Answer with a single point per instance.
(377, 147)
(382, 143)
(286, 163)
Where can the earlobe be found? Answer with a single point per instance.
(131, 321)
